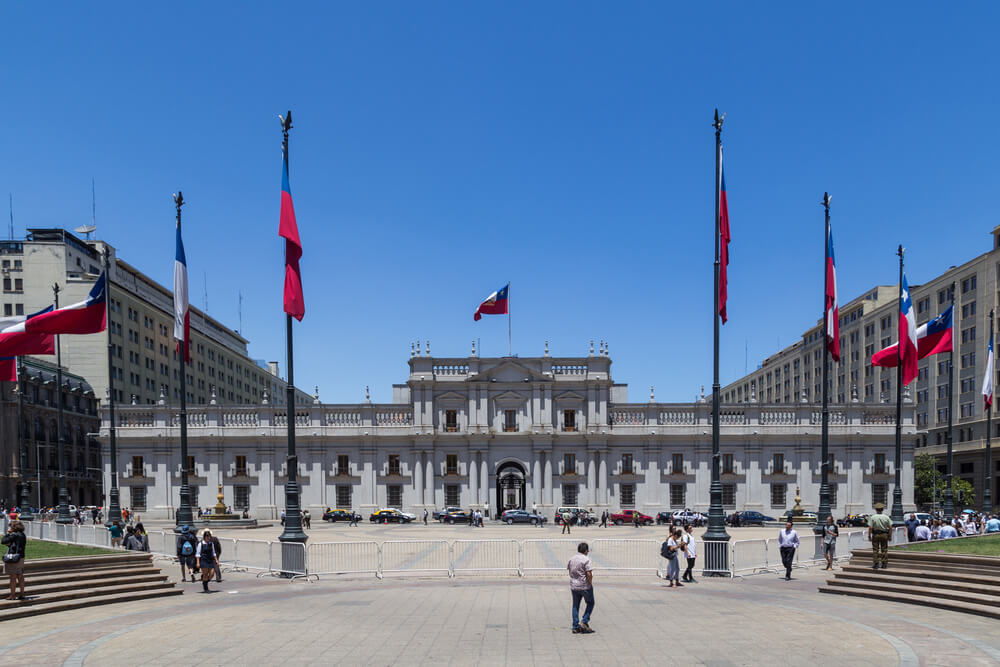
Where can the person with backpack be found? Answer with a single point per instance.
(186, 544)
(13, 560)
(669, 550)
(205, 559)
(218, 557)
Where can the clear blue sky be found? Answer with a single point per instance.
(441, 149)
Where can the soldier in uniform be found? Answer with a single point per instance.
(879, 527)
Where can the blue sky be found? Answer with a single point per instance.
(441, 149)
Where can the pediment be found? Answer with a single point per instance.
(451, 396)
(510, 371)
(569, 396)
(510, 396)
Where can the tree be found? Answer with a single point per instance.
(924, 477)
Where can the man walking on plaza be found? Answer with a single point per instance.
(604, 519)
(581, 585)
(879, 527)
(788, 542)
(425, 516)
(830, 534)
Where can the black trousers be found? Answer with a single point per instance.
(688, 576)
(787, 558)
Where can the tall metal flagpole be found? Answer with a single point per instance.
(25, 501)
(184, 515)
(62, 515)
(114, 508)
(508, 319)
(824, 484)
(988, 482)
(291, 560)
(949, 496)
(716, 538)
(897, 493)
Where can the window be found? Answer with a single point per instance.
(451, 420)
(452, 496)
(833, 495)
(969, 335)
(778, 492)
(945, 295)
(969, 284)
(343, 466)
(193, 496)
(677, 495)
(241, 466)
(880, 464)
(569, 420)
(451, 468)
(18, 285)
(967, 468)
(968, 409)
(344, 496)
(880, 492)
(569, 494)
(241, 497)
(729, 495)
(190, 465)
(969, 309)
(727, 463)
(627, 495)
(137, 467)
(627, 464)
(923, 305)
(393, 464)
(779, 464)
(569, 464)
(677, 464)
(8, 310)
(394, 496)
(509, 421)
(138, 494)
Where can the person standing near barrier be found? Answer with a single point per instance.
(566, 518)
(604, 519)
(690, 552)
(187, 542)
(218, 557)
(115, 531)
(830, 534)
(911, 528)
(879, 527)
(205, 558)
(581, 585)
(671, 550)
(13, 560)
(788, 542)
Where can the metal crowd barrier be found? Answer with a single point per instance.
(344, 558)
(410, 556)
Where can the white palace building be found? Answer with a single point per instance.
(496, 433)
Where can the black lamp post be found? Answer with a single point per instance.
(62, 515)
(25, 501)
(897, 491)
(114, 506)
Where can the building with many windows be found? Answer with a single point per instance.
(868, 324)
(498, 433)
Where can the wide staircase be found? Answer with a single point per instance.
(969, 584)
(59, 584)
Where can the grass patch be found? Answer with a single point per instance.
(43, 549)
(987, 545)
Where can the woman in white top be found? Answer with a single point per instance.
(690, 552)
(675, 548)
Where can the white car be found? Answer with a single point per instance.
(682, 517)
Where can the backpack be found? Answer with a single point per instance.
(666, 552)
(187, 549)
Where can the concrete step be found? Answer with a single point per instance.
(39, 579)
(894, 595)
(124, 559)
(83, 593)
(929, 589)
(932, 568)
(44, 589)
(918, 574)
(49, 606)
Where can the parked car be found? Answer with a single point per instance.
(682, 517)
(438, 515)
(511, 517)
(457, 516)
(337, 515)
(391, 515)
(575, 511)
(853, 521)
(749, 518)
(626, 516)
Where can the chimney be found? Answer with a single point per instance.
(272, 367)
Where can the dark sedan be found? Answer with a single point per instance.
(457, 516)
(337, 515)
(511, 517)
(752, 518)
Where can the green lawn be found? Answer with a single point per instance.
(43, 549)
(987, 545)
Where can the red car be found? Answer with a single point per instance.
(628, 516)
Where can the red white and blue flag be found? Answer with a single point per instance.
(16, 341)
(988, 378)
(84, 317)
(907, 335)
(8, 369)
(182, 309)
(724, 238)
(832, 308)
(288, 228)
(495, 304)
(933, 337)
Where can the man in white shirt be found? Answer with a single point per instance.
(788, 542)
(581, 585)
(921, 532)
(947, 531)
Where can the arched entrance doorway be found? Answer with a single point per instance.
(510, 487)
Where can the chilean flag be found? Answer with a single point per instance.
(724, 239)
(8, 369)
(182, 310)
(16, 341)
(495, 304)
(832, 309)
(988, 379)
(933, 337)
(84, 317)
(295, 304)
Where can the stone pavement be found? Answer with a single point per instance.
(478, 620)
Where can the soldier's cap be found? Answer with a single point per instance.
(879, 506)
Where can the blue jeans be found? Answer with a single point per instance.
(588, 596)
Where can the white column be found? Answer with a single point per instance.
(474, 476)
(603, 475)
(592, 478)
(484, 484)
(548, 477)
(429, 498)
(536, 479)
(418, 478)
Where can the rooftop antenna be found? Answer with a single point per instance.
(241, 313)
(11, 216)
(204, 299)
(87, 230)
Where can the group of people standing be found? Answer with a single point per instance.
(680, 543)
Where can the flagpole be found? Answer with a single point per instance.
(716, 537)
(508, 319)
(25, 501)
(949, 497)
(290, 559)
(988, 482)
(897, 493)
(184, 515)
(114, 508)
(62, 515)
(824, 485)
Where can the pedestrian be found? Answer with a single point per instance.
(130, 543)
(282, 517)
(911, 527)
(635, 519)
(115, 531)
(992, 524)
(879, 527)
(218, 557)
(788, 542)
(354, 519)
(425, 516)
(142, 539)
(566, 517)
(604, 519)
(581, 585)
(93, 515)
(830, 534)
(13, 560)
(690, 552)
(205, 559)
(306, 519)
(922, 533)
(186, 544)
(946, 531)
(669, 550)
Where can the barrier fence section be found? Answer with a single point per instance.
(627, 556)
(253, 555)
(546, 556)
(423, 556)
(288, 558)
(751, 556)
(344, 558)
(485, 557)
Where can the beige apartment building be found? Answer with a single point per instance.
(867, 324)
